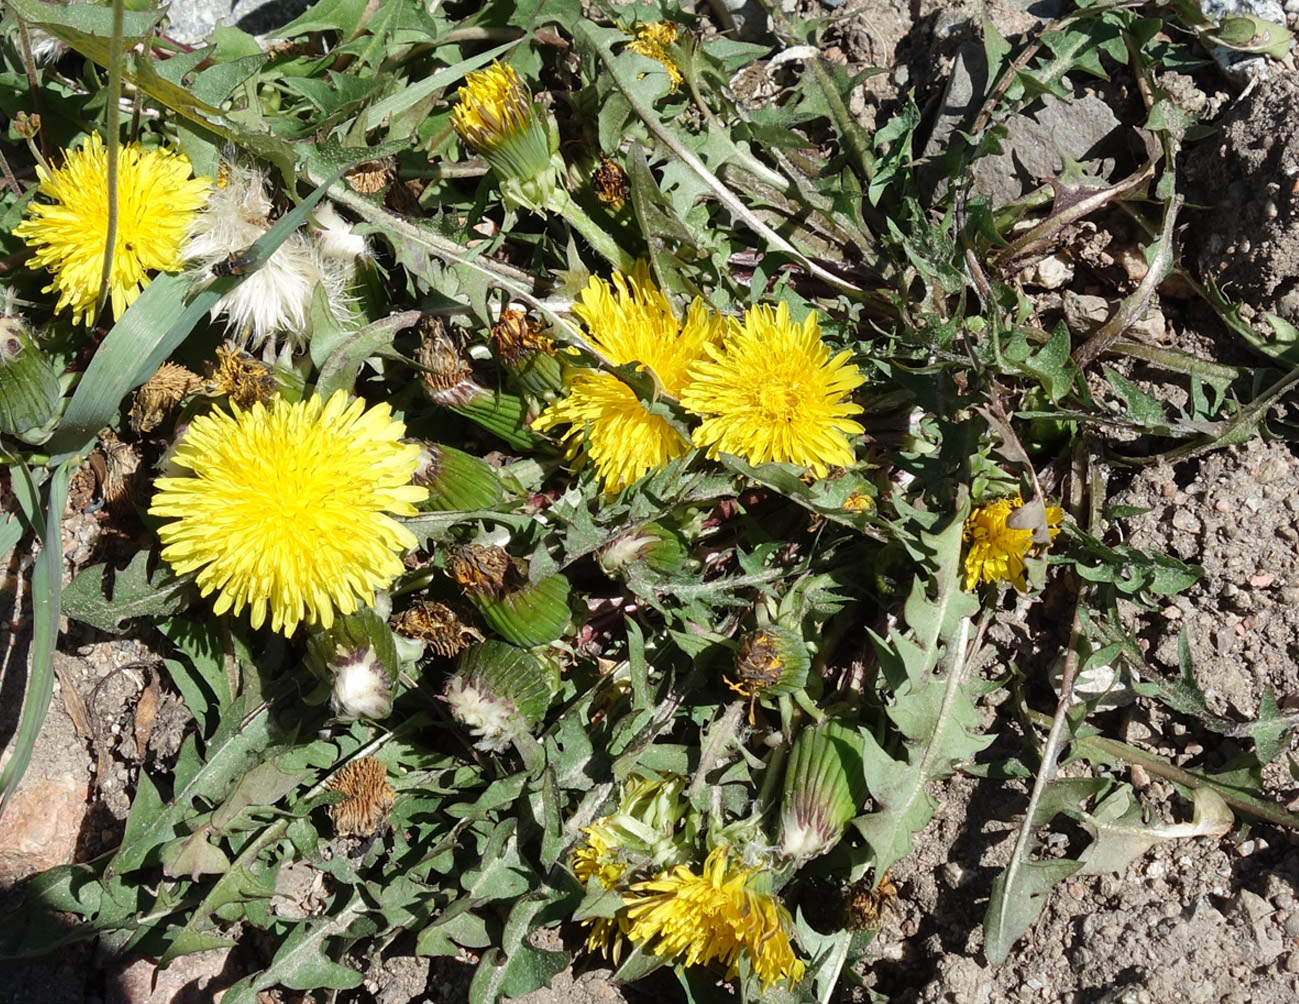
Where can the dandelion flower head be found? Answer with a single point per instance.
(996, 551)
(287, 509)
(157, 202)
(652, 40)
(629, 321)
(599, 856)
(714, 916)
(773, 392)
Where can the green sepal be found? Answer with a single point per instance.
(504, 415)
(825, 787)
(457, 481)
(532, 615)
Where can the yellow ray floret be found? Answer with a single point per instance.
(772, 392)
(714, 916)
(157, 202)
(629, 321)
(286, 509)
(996, 551)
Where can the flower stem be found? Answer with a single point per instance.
(114, 141)
(595, 235)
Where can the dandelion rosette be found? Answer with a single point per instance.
(714, 916)
(629, 321)
(157, 202)
(997, 550)
(773, 392)
(287, 509)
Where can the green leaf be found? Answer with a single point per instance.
(502, 874)
(103, 597)
(47, 579)
(525, 970)
(300, 963)
(1018, 895)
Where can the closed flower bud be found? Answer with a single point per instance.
(500, 692)
(456, 481)
(653, 545)
(358, 657)
(824, 789)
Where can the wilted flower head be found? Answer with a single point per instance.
(157, 201)
(772, 392)
(996, 549)
(497, 118)
(159, 396)
(287, 509)
(629, 321)
(369, 797)
(276, 298)
(716, 915)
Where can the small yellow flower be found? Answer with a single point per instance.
(157, 201)
(599, 857)
(652, 40)
(286, 509)
(699, 918)
(772, 392)
(497, 117)
(629, 321)
(996, 551)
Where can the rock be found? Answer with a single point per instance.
(1084, 129)
(42, 822)
(199, 976)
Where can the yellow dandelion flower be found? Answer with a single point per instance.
(772, 392)
(497, 118)
(699, 918)
(629, 321)
(599, 857)
(287, 507)
(996, 550)
(652, 40)
(157, 201)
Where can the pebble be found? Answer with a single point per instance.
(1292, 962)
(1156, 870)
(1262, 580)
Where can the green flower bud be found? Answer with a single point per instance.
(500, 692)
(824, 788)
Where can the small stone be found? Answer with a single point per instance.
(1172, 612)
(1291, 964)
(1262, 580)
(1185, 521)
(952, 874)
(1254, 906)
(1156, 870)
(1291, 925)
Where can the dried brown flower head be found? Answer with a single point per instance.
(241, 378)
(610, 184)
(443, 629)
(517, 336)
(448, 377)
(369, 797)
(373, 175)
(482, 570)
(160, 394)
(115, 464)
(866, 904)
